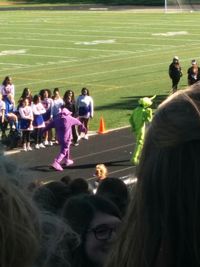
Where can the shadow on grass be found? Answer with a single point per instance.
(131, 102)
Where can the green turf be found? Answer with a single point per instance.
(59, 50)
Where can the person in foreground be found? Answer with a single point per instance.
(97, 221)
(162, 227)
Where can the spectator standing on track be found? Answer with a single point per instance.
(57, 104)
(38, 121)
(175, 73)
(26, 123)
(85, 107)
(193, 73)
(47, 103)
(162, 226)
(69, 103)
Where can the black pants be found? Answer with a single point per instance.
(175, 82)
(26, 136)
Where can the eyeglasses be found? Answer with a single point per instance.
(103, 232)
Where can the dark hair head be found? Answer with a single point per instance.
(84, 89)
(67, 93)
(6, 79)
(79, 211)
(164, 215)
(56, 90)
(51, 196)
(66, 179)
(115, 190)
(79, 186)
(36, 99)
(25, 93)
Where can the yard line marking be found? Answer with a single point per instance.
(71, 33)
(104, 151)
(83, 42)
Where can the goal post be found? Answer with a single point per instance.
(181, 5)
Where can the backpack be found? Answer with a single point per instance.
(12, 139)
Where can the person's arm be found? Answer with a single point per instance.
(91, 107)
(48, 127)
(3, 115)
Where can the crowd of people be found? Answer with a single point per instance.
(31, 114)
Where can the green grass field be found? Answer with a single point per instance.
(119, 56)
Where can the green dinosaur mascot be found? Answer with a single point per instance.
(140, 115)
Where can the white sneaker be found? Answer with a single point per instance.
(41, 145)
(24, 149)
(85, 137)
(79, 138)
(37, 146)
(46, 143)
(50, 143)
(29, 148)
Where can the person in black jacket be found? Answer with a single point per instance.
(175, 73)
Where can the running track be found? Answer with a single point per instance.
(113, 149)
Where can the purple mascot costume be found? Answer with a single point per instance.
(63, 123)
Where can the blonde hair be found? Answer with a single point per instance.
(101, 171)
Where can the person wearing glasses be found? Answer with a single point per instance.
(97, 221)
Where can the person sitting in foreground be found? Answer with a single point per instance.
(115, 190)
(97, 221)
(163, 223)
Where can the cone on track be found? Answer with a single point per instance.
(102, 128)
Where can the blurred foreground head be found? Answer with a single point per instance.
(162, 226)
(19, 224)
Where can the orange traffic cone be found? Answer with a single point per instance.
(102, 128)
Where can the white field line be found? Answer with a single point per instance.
(127, 25)
(104, 151)
(91, 74)
(68, 34)
(115, 55)
(83, 75)
(74, 41)
(100, 73)
(66, 48)
(149, 65)
(96, 30)
(110, 19)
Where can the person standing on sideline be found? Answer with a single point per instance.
(38, 121)
(85, 109)
(175, 73)
(193, 73)
(70, 104)
(26, 123)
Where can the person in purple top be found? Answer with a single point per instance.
(63, 124)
